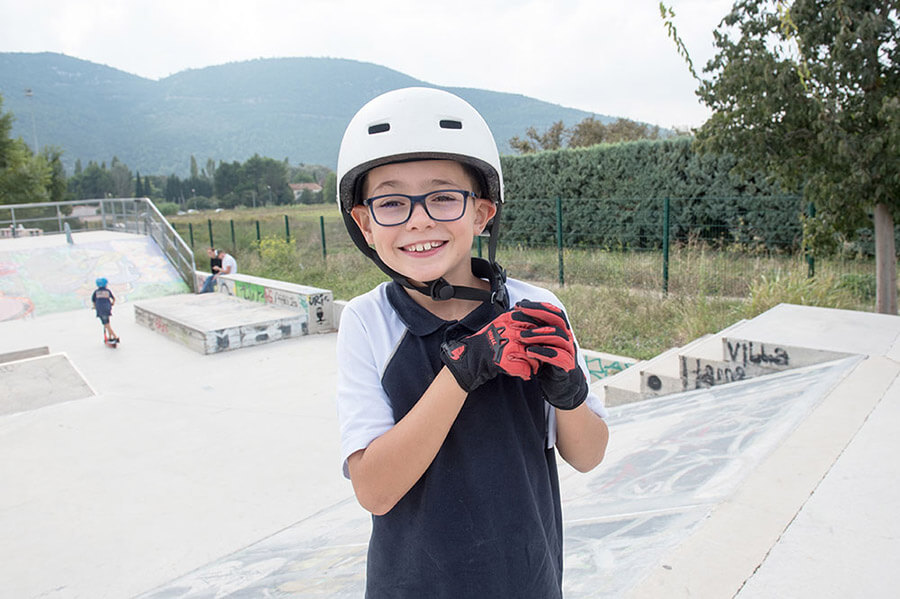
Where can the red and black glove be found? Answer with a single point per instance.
(496, 348)
(553, 346)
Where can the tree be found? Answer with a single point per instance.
(120, 174)
(590, 131)
(809, 91)
(329, 188)
(56, 187)
(551, 139)
(24, 177)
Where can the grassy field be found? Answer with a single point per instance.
(615, 299)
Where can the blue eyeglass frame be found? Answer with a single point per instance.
(420, 199)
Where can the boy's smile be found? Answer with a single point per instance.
(423, 249)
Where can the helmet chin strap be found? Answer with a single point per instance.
(440, 289)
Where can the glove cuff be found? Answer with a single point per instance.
(453, 355)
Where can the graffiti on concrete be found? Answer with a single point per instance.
(600, 368)
(700, 374)
(744, 353)
(250, 291)
(58, 278)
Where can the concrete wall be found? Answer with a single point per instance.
(316, 303)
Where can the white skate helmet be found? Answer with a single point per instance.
(416, 123)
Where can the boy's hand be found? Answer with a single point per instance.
(553, 346)
(496, 348)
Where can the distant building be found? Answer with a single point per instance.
(299, 188)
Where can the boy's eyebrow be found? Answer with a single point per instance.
(392, 184)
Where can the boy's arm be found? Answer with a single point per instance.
(581, 437)
(383, 472)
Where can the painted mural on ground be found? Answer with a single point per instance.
(44, 280)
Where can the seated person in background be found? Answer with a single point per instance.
(215, 264)
(229, 264)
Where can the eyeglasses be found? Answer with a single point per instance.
(394, 209)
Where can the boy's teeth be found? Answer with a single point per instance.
(422, 247)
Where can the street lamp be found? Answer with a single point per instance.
(270, 194)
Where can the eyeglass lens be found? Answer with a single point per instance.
(444, 205)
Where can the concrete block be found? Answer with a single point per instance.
(24, 353)
(215, 322)
(315, 303)
(602, 365)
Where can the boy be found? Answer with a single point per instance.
(454, 384)
(103, 300)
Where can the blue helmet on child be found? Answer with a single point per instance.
(101, 282)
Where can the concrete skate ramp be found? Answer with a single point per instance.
(42, 275)
(674, 460)
(215, 322)
(37, 382)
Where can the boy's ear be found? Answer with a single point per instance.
(363, 220)
(484, 212)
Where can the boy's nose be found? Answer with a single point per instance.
(419, 216)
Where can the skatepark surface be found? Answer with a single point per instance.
(178, 474)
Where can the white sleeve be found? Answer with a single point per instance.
(364, 410)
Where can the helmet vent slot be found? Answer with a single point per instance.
(448, 124)
(379, 128)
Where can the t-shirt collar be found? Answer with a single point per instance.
(421, 322)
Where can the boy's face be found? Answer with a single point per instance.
(423, 249)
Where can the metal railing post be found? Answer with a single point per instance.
(559, 241)
(322, 231)
(810, 259)
(665, 244)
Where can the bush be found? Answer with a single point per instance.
(202, 203)
(279, 258)
(167, 208)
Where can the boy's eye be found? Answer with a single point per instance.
(445, 197)
(390, 203)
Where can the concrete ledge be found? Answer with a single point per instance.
(215, 322)
(24, 353)
(316, 303)
(40, 381)
(602, 365)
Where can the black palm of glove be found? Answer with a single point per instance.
(562, 381)
(496, 348)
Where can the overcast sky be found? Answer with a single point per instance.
(603, 56)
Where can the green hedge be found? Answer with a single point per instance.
(612, 197)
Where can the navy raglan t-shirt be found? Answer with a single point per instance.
(102, 299)
(484, 520)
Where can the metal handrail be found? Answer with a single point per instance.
(130, 215)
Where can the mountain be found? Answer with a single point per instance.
(294, 108)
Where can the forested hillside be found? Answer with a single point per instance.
(294, 108)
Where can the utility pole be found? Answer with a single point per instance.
(30, 95)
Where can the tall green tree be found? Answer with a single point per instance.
(24, 177)
(809, 91)
(329, 188)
